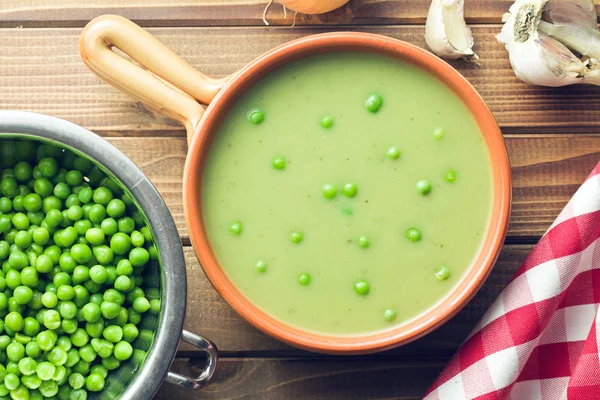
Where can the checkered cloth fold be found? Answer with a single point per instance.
(541, 337)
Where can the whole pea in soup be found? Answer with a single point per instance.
(347, 193)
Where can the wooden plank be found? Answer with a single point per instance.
(230, 12)
(210, 316)
(41, 71)
(547, 170)
(335, 378)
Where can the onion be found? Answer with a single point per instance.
(313, 6)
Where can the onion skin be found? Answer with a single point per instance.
(313, 6)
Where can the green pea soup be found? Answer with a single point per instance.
(347, 193)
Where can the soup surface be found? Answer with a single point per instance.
(357, 202)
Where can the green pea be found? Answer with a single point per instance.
(350, 190)
(23, 239)
(393, 153)
(413, 235)
(256, 116)
(102, 347)
(103, 254)
(9, 186)
(137, 239)
(374, 103)
(43, 187)
(45, 370)
(72, 200)
(41, 236)
(235, 228)
(438, 133)
(30, 277)
(296, 237)
(23, 294)
(53, 218)
(62, 191)
(116, 208)
(442, 273)
(124, 267)
(32, 349)
(74, 177)
(11, 381)
(67, 310)
(75, 213)
(13, 278)
(97, 213)
(52, 319)
(20, 221)
(80, 337)
(126, 225)
(87, 353)
(389, 315)
(91, 312)
(363, 242)
(109, 227)
(139, 256)
(450, 176)
(109, 309)
(141, 305)
(102, 196)
(85, 195)
(23, 171)
(114, 296)
(32, 202)
(48, 167)
(304, 279)
(114, 333)
(14, 321)
(123, 283)
(120, 243)
(329, 191)
(424, 187)
(130, 333)
(44, 264)
(18, 260)
(327, 121)
(279, 163)
(32, 382)
(98, 274)
(362, 288)
(15, 351)
(76, 380)
(261, 266)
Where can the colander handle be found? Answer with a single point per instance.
(212, 356)
(162, 80)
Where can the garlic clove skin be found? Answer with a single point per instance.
(546, 62)
(537, 58)
(573, 23)
(446, 31)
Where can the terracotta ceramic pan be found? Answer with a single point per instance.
(172, 87)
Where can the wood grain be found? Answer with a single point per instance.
(547, 170)
(229, 12)
(41, 71)
(298, 379)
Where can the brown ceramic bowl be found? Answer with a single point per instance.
(173, 87)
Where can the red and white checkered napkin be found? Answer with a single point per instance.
(541, 337)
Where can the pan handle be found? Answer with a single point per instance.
(164, 81)
(212, 356)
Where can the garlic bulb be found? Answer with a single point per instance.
(553, 42)
(446, 31)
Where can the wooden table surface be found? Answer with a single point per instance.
(551, 136)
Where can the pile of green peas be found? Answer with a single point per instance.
(73, 249)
